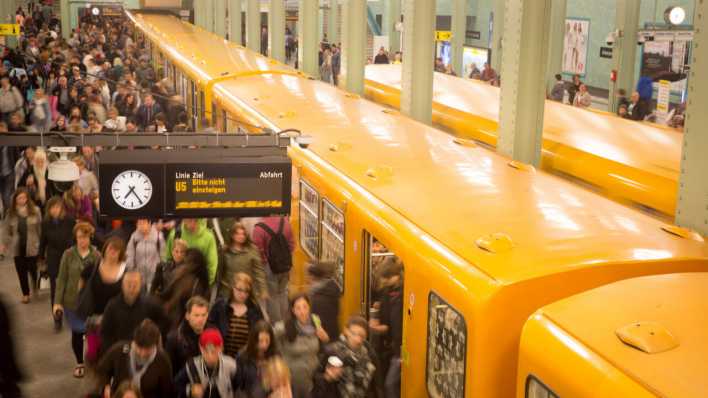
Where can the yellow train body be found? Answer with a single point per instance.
(572, 348)
(485, 242)
(624, 159)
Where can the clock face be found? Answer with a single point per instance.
(131, 189)
(676, 15)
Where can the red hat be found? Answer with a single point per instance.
(211, 336)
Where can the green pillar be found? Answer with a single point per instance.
(556, 35)
(209, 4)
(276, 29)
(220, 17)
(198, 7)
(392, 15)
(624, 50)
(497, 33)
(65, 16)
(354, 45)
(235, 10)
(307, 37)
(522, 88)
(418, 52)
(253, 25)
(459, 24)
(332, 19)
(692, 207)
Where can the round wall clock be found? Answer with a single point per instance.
(131, 189)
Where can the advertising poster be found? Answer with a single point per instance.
(575, 46)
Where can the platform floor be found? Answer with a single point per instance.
(45, 356)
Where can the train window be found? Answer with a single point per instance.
(536, 389)
(447, 349)
(309, 219)
(202, 110)
(333, 238)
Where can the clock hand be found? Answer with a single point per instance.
(136, 196)
(131, 190)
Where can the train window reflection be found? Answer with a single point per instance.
(333, 239)
(536, 389)
(447, 350)
(309, 219)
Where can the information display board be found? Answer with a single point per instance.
(148, 184)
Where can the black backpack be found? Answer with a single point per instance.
(278, 253)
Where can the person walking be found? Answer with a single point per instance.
(325, 294)
(183, 342)
(56, 238)
(69, 283)
(21, 235)
(300, 338)
(274, 238)
(241, 255)
(254, 357)
(145, 250)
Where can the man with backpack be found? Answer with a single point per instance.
(274, 238)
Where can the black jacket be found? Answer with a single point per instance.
(182, 344)
(324, 296)
(114, 367)
(640, 110)
(57, 236)
(120, 319)
(392, 316)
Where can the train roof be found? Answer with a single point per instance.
(676, 302)
(204, 56)
(458, 194)
(644, 146)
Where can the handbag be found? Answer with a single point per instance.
(85, 305)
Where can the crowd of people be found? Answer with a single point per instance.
(162, 308)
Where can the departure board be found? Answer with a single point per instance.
(220, 190)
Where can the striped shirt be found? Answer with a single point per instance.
(236, 335)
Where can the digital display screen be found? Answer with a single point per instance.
(219, 190)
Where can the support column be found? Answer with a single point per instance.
(417, 75)
(624, 51)
(220, 17)
(235, 21)
(692, 208)
(209, 15)
(253, 25)
(392, 15)
(498, 34)
(65, 19)
(307, 37)
(459, 26)
(7, 16)
(333, 17)
(276, 29)
(353, 54)
(522, 84)
(555, 36)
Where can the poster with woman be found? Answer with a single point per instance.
(575, 46)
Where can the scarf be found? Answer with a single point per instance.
(22, 211)
(135, 362)
(221, 378)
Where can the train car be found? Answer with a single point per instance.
(624, 159)
(485, 242)
(642, 337)
(194, 60)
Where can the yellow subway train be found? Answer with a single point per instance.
(634, 162)
(485, 241)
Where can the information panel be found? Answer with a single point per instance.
(219, 189)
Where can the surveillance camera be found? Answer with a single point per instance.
(610, 40)
(641, 39)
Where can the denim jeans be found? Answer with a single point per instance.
(277, 304)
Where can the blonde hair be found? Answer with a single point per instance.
(181, 243)
(242, 277)
(276, 373)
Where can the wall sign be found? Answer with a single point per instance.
(149, 184)
(575, 46)
(605, 52)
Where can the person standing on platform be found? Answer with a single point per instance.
(21, 232)
(488, 74)
(145, 250)
(583, 99)
(638, 108)
(56, 238)
(183, 342)
(69, 283)
(325, 294)
(558, 91)
(195, 232)
(274, 238)
(241, 255)
(572, 88)
(381, 57)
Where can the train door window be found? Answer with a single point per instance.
(536, 389)
(202, 110)
(376, 254)
(309, 219)
(232, 127)
(333, 239)
(193, 103)
(447, 349)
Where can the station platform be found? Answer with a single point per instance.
(45, 356)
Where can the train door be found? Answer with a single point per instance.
(382, 302)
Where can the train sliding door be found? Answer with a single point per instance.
(382, 302)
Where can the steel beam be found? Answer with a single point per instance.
(523, 85)
(417, 74)
(354, 45)
(692, 208)
(209, 15)
(253, 25)
(392, 15)
(498, 34)
(624, 50)
(556, 35)
(276, 29)
(459, 26)
(307, 37)
(220, 17)
(235, 22)
(332, 22)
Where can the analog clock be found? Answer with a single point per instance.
(674, 15)
(131, 189)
